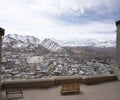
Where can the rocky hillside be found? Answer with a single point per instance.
(51, 45)
(18, 41)
(30, 42)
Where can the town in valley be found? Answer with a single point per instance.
(24, 60)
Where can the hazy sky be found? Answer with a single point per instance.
(60, 19)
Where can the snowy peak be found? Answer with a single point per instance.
(18, 41)
(26, 39)
(88, 42)
(110, 43)
(51, 45)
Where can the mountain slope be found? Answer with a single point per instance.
(87, 42)
(51, 45)
(18, 41)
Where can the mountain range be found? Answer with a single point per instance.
(18, 41)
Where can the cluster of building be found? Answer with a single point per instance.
(30, 66)
(17, 66)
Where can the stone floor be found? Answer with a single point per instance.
(106, 91)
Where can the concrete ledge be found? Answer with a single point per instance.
(68, 79)
(99, 79)
(44, 83)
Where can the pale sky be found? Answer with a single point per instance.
(60, 19)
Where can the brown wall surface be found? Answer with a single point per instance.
(99, 79)
(44, 83)
(68, 79)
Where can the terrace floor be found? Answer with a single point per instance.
(105, 91)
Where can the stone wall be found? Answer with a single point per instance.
(99, 79)
(67, 79)
(45, 83)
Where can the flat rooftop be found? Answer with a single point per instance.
(105, 91)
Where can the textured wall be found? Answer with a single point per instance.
(44, 83)
(68, 79)
(99, 79)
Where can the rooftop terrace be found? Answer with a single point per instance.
(106, 91)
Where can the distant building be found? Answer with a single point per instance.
(35, 59)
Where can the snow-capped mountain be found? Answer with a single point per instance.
(110, 43)
(18, 41)
(51, 45)
(87, 42)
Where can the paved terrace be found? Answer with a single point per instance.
(105, 91)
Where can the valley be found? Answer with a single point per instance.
(27, 57)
